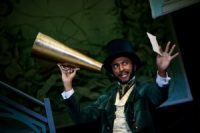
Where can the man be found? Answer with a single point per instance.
(128, 105)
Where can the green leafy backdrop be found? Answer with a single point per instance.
(85, 25)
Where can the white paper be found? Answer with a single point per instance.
(154, 43)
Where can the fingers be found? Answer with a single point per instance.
(59, 65)
(172, 49)
(172, 57)
(167, 47)
(67, 69)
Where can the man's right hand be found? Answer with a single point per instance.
(68, 73)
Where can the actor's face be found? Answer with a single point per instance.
(122, 68)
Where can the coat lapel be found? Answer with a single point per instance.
(110, 108)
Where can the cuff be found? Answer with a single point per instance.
(162, 81)
(67, 94)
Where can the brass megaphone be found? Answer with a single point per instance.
(49, 48)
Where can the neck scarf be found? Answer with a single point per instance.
(125, 87)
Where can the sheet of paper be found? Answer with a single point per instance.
(154, 43)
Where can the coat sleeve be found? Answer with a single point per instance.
(86, 114)
(155, 94)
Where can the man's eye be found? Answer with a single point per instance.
(114, 66)
(125, 63)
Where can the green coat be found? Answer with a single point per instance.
(138, 108)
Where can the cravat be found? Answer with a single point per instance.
(125, 87)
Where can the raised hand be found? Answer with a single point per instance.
(68, 73)
(163, 61)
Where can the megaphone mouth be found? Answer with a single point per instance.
(51, 49)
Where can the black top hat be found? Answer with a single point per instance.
(119, 47)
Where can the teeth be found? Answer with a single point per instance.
(123, 76)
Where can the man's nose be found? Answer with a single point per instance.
(121, 68)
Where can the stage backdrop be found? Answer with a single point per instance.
(85, 25)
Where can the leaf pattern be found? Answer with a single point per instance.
(86, 27)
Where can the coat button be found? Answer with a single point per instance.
(108, 128)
